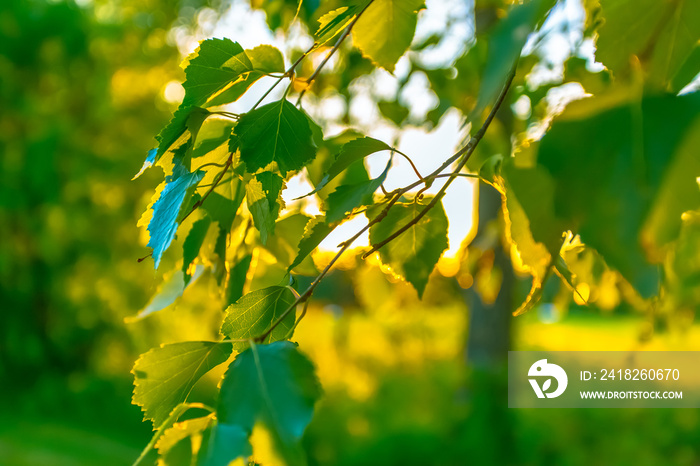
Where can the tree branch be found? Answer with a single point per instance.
(466, 151)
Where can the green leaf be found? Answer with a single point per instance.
(251, 315)
(385, 30)
(536, 189)
(505, 44)
(413, 254)
(393, 111)
(348, 197)
(265, 59)
(334, 22)
(223, 203)
(275, 385)
(226, 444)
(661, 33)
(351, 152)
(163, 224)
(237, 279)
(263, 195)
(283, 244)
(315, 231)
(276, 132)
(184, 126)
(212, 135)
(193, 243)
(623, 190)
(172, 288)
(175, 446)
(164, 376)
(215, 64)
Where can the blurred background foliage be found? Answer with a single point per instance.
(84, 87)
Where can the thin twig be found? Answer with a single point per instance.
(289, 73)
(415, 169)
(467, 151)
(335, 48)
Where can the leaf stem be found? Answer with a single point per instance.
(415, 169)
(287, 74)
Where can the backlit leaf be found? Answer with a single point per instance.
(263, 197)
(264, 59)
(351, 152)
(348, 197)
(251, 315)
(315, 231)
(385, 30)
(661, 33)
(215, 64)
(276, 132)
(414, 254)
(164, 376)
(172, 288)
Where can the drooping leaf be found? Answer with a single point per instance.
(414, 254)
(263, 197)
(505, 44)
(251, 315)
(385, 30)
(172, 288)
(215, 64)
(164, 376)
(624, 190)
(163, 224)
(275, 385)
(348, 197)
(351, 152)
(536, 257)
(225, 444)
(193, 243)
(661, 33)
(265, 59)
(315, 231)
(276, 132)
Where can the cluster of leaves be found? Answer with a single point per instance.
(614, 169)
